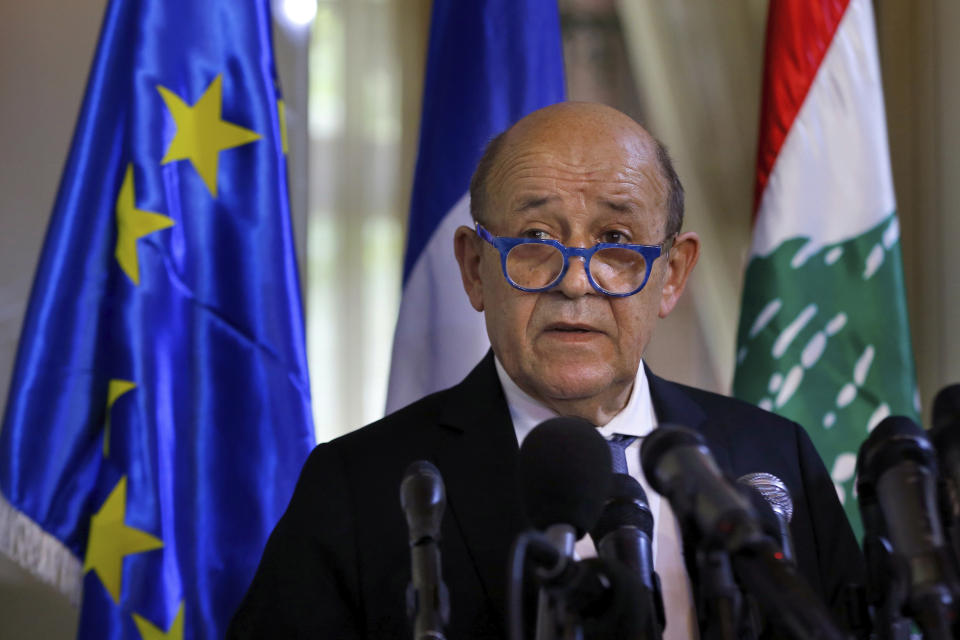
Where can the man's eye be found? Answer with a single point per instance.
(535, 234)
(617, 237)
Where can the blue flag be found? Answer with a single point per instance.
(488, 65)
(159, 412)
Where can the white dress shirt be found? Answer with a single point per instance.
(637, 418)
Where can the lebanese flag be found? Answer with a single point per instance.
(824, 338)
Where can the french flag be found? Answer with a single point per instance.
(489, 63)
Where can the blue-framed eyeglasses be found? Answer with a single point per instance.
(613, 269)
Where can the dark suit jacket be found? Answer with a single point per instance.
(337, 564)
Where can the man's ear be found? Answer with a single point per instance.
(682, 258)
(466, 248)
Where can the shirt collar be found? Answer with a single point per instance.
(637, 418)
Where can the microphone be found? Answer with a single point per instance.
(423, 499)
(565, 474)
(678, 465)
(777, 496)
(623, 533)
(946, 408)
(945, 435)
(897, 472)
(886, 582)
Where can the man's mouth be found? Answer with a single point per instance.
(563, 327)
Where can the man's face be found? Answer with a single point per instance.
(579, 185)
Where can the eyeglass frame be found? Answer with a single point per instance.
(505, 244)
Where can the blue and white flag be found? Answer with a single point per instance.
(159, 411)
(488, 65)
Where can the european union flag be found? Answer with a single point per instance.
(159, 412)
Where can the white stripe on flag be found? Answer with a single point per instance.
(440, 337)
(832, 179)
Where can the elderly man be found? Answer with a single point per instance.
(575, 254)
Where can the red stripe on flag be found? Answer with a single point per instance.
(798, 35)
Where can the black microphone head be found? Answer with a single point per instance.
(423, 498)
(946, 407)
(945, 432)
(945, 435)
(626, 506)
(565, 473)
(895, 439)
(661, 440)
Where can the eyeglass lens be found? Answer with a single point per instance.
(536, 266)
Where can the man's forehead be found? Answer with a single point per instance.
(602, 154)
(596, 123)
(587, 141)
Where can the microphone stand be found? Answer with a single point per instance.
(721, 598)
(428, 601)
(553, 619)
(623, 547)
(887, 590)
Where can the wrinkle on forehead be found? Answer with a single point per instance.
(573, 146)
(522, 165)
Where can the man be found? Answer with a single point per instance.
(576, 253)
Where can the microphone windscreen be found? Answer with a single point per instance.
(767, 517)
(661, 441)
(565, 473)
(895, 439)
(423, 499)
(773, 490)
(946, 409)
(626, 506)
(945, 435)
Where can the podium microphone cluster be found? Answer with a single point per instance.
(565, 481)
(733, 548)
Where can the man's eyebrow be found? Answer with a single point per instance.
(533, 202)
(620, 206)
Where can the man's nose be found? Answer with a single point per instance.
(575, 282)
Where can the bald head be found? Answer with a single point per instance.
(585, 127)
(588, 180)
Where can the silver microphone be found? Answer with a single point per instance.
(777, 495)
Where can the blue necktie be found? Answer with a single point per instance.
(618, 444)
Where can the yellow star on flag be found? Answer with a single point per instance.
(115, 389)
(133, 224)
(282, 114)
(111, 540)
(150, 632)
(201, 134)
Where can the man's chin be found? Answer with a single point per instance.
(572, 383)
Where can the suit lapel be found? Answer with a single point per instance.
(477, 454)
(673, 405)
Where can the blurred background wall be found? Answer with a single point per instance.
(689, 70)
